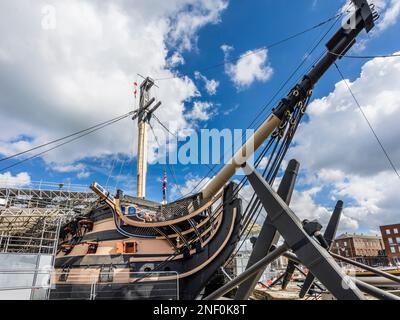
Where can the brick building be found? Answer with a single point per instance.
(363, 248)
(391, 240)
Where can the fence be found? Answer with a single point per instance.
(117, 285)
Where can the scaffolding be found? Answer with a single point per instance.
(37, 211)
(30, 222)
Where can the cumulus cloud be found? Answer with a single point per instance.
(69, 167)
(305, 206)
(83, 175)
(338, 151)
(210, 85)
(20, 180)
(389, 11)
(176, 59)
(192, 185)
(252, 66)
(228, 111)
(193, 16)
(338, 130)
(201, 111)
(80, 70)
(263, 163)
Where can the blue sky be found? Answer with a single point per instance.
(105, 61)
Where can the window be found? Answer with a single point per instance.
(396, 231)
(345, 243)
(390, 240)
(92, 248)
(387, 231)
(398, 240)
(392, 249)
(130, 247)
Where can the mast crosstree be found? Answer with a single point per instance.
(144, 115)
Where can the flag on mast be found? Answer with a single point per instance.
(164, 188)
(135, 90)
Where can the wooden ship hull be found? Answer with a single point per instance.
(137, 259)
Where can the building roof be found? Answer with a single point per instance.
(25, 210)
(359, 236)
(390, 225)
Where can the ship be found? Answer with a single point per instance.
(135, 248)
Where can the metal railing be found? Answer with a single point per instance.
(46, 284)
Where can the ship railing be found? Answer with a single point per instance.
(45, 284)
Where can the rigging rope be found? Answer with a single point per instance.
(369, 123)
(167, 165)
(285, 134)
(68, 136)
(395, 55)
(64, 143)
(97, 128)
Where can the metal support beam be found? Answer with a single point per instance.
(247, 273)
(364, 287)
(310, 253)
(276, 280)
(291, 267)
(368, 268)
(375, 292)
(268, 236)
(329, 235)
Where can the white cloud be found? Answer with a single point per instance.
(176, 59)
(62, 80)
(340, 134)
(252, 66)
(201, 111)
(392, 14)
(306, 207)
(389, 11)
(68, 167)
(226, 49)
(263, 163)
(83, 175)
(210, 85)
(228, 111)
(337, 149)
(195, 15)
(20, 180)
(192, 185)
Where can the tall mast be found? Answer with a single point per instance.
(144, 116)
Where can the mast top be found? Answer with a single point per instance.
(147, 84)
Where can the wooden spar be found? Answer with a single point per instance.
(241, 156)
